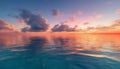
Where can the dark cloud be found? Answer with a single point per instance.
(36, 22)
(4, 26)
(63, 27)
(56, 13)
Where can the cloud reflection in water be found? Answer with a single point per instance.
(81, 50)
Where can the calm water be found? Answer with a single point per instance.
(60, 51)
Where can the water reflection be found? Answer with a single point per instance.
(64, 51)
(37, 44)
(12, 40)
(89, 42)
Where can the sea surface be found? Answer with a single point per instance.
(60, 51)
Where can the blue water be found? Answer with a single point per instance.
(60, 52)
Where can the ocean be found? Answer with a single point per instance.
(60, 51)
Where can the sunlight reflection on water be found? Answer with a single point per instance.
(60, 51)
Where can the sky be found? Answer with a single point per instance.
(80, 13)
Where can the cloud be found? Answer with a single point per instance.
(75, 16)
(56, 13)
(72, 18)
(21, 21)
(116, 24)
(79, 13)
(64, 22)
(95, 16)
(114, 27)
(36, 22)
(86, 23)
(25, 29)
(98, 29)
(118, 11)
(63, 27)
(4, 26)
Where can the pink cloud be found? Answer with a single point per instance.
(86, 23)
(65, 21)
(95, 16)
(72, 18)
(118, 11)
(79, 13)
(4, 26)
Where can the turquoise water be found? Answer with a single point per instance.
(60, 52)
